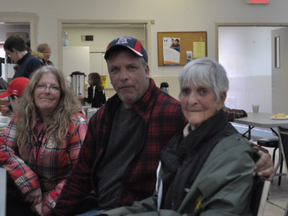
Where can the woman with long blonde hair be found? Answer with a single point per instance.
(42, 142)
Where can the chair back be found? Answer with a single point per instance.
(283, 141)
(259, 195)
(283, 144)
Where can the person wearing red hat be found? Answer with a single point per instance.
(15, 91)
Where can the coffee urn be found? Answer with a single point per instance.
(78, 82)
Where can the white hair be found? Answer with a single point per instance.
(205, 71)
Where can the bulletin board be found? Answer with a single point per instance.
(187, 39)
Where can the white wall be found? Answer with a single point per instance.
(245, 53)
(101, 37)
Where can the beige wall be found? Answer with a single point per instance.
(192, 15)
(186, 15)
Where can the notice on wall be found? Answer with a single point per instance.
(104, 80)
(198, 49)
(171, 51)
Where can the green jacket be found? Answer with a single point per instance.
(223, 186)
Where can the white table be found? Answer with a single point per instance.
(261, 120)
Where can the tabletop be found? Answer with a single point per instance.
(262, 120)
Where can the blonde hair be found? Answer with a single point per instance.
(42, 47)
(37, 55)
(61, 120)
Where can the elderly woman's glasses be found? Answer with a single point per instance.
(44, 87)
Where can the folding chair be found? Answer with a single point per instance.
(3, 191)
(259, 195)
(283, 141)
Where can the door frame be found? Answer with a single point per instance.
(21, 17)
(146, 23)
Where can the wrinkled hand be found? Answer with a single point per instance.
(5, 111)
(34, 197)
(264, 166)
(37, 209)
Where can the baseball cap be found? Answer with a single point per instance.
(16, 87)
(129, 42)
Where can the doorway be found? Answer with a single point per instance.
(245, 52)
(104, 24)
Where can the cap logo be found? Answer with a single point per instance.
(122, 40)
(15, 92)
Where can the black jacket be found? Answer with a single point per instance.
(98, 100)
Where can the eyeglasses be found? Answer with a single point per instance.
(44, 87)
(8, 54)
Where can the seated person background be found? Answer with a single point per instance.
(206, 169)
(41, 143)
(120, 154)
(14, 93)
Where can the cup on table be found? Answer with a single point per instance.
(255, 108)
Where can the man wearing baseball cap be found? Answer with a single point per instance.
(120, 154)
(15, 91)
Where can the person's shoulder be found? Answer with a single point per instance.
(234, 145)
(166, 99)
(35, 60)
(79, 118)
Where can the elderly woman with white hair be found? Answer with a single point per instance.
(206, 169)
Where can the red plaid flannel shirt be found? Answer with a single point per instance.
(163, 117)
(54, 161)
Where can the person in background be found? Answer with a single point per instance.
(207, 168)
(45, 49)
(16, 49)
(96, 93)
(15, 91)
(41, 143)
(120, 154)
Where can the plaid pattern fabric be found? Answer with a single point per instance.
(163, 117)
(53, 164)
(234, 113)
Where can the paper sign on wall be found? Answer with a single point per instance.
(171, 51)
(198, 49)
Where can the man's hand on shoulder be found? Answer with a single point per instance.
(264, 166)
